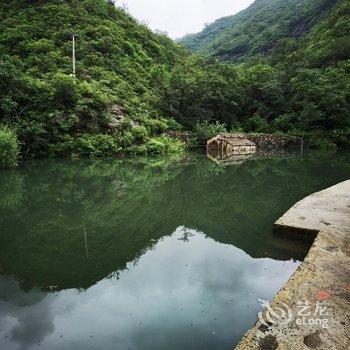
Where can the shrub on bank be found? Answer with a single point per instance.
(322, 144)
(86, 145)
(9, 148)
(140, 134)
(97, 145)
(159, 145)
(204, 131)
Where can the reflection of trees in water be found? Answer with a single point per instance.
(11, 189)
(186, 235)
(127, 205)
(61, 197)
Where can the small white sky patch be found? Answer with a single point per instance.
(181, 17)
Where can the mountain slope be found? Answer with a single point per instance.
(132, 86)
(328, 42)
(295, 81)
(54, 114)
(257, 30)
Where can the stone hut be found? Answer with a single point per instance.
(226, 145)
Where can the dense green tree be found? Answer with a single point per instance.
(293, 76)
(115, 55)
(256, 30)
(9, 148)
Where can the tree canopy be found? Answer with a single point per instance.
(133, 85)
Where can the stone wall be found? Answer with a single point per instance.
(268, 144)
(179, 135)
(322, 280)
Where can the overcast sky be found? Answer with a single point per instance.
(180, 17)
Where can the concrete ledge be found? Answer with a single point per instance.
(322, 279)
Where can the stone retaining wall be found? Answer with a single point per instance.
(275, 143)
(321, 281)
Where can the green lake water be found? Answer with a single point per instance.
(147, 254)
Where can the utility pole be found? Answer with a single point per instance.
(73, 55)
(73, 40)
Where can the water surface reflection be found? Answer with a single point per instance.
(202, 298)
(146, 254)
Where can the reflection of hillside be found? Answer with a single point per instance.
(126, 206)
(236, 159)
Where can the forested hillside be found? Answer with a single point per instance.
(52, 113)
(293, 57)
(259, 28)
(301, 87)
(132, 86)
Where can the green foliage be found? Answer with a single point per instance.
(115, 58)
(9, 148)
(138, 141)
(158, 126)
(204, 131)
(197, 90)
(139, 134)
(64, 90)
(256, 124)
(174, 125)
(284, 123)
(258, 29)
(293, 76)
(321, 144)
(96, 145)
(301, 85)
(126, 139)
(86, 145)
(162, 145)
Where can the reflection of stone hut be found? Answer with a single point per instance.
(233, 160)
(225, 146)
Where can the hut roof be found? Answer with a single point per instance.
(232, 139)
